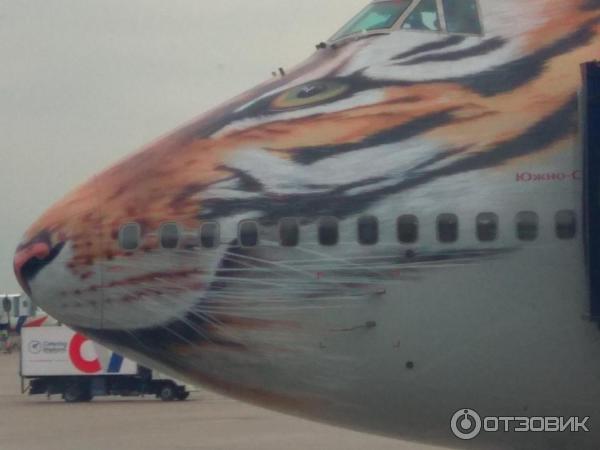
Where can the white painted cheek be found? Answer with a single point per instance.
(65, 295)
(283, 176)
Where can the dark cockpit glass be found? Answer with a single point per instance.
(379, 15)
(462, 16)
(424, 17)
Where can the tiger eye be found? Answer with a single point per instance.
(310, 94)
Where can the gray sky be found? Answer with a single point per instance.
(84, 83)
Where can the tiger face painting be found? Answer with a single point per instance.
(388, 233)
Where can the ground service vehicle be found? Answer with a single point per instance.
(57, 360)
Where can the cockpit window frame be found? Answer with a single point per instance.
(404, 17)
(397, 26)
(442, 17)
(412, 8)
(374, 32)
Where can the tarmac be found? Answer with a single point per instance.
(205, 421)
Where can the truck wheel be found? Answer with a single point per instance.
(167, 393)
(73, 393)
(183, 395)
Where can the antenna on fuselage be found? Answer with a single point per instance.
(279, 72)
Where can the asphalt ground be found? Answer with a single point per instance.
(205, 421)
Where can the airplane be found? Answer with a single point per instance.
(391, 235)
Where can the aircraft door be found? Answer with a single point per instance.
(590, 132)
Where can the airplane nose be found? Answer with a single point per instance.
(32, 257)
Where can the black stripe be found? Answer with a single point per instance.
(512, 75)
(431, 46)
(483, 48)
(420, 125)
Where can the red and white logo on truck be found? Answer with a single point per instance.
(62, 351)
(77, 358)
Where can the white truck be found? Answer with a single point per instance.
(57, 360)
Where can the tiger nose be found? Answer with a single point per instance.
(30, 258)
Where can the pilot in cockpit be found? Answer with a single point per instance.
(423, 17)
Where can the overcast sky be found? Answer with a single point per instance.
(84, 83)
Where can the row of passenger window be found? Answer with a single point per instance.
(407, 230)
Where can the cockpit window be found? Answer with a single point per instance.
(379, 15)
(424, 17)
(462, 16)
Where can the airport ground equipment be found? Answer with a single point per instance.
(57, 360)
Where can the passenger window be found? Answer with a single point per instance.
(408, 229)
(248, 234)
(368, 230)
(447, 228)
(566, 225)
(210, 235)
(527, 226)
(424, 17)
(289, 232)
(329, 231)
(462, 16)
(487, 227)
(169, 235)
(129, 236)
